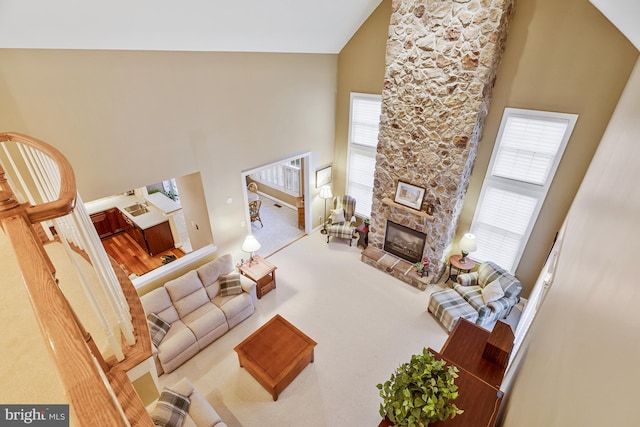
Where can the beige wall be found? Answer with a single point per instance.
(560, 56)
(581, 368)
(360, 69)
(126, 119)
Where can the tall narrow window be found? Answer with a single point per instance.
(364, 120)
(525, 157)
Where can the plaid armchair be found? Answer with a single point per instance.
(342, 221)
(471, 286)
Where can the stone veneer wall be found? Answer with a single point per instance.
(441, 63)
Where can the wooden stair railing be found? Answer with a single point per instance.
(141, 351)
(99, 391)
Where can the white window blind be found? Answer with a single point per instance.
(364, 119)
(525, 157)
(528, 148)
(503, 221)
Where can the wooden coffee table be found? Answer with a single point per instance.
(275, 354)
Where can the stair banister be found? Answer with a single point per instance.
(99, 392)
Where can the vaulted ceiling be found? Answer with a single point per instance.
(624, 14)
(300, 26)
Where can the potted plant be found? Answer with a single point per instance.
(420, 392)
(422, 267)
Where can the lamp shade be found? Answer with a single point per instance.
(325, 192)
(250, 244)
(468, 243)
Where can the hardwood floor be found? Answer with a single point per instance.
(131, 257)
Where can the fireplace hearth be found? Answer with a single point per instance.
(404, 242)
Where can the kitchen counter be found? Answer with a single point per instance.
(147, 220)
(163, 203)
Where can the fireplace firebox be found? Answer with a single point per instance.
(404, 242)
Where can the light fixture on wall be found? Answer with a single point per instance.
(325, 193)
(250, 245)
(467, 244)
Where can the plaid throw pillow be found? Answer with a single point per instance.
(171, 409)
(158, 328)
(230, 284)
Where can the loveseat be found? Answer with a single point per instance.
(182, 404)
(190, 312)
(482, 296)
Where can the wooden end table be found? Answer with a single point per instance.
(454, 261)
(363, 235)
(275, 354)
(261, 272)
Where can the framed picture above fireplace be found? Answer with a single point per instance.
(409, 195)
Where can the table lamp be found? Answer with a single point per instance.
(250, 245)
(325, 193)
(467, 244)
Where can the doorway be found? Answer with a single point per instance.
(283, 192)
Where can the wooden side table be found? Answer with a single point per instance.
(454, 262)
(363, 233)
(261, 272)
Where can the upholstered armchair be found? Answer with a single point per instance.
(342, 221)
(491, 291)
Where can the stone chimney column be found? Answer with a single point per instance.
(441, 63)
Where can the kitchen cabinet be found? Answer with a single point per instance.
(101, 224)
(107, 223)
(153, 240)
(138, 235)
(124, 222)
(113, 217)
(159, 238)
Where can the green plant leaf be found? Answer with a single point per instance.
(419, 392)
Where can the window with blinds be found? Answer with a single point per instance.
(525, 157)
(364, 119)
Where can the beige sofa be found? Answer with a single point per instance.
(197, 310)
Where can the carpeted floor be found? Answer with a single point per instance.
(27, 370)
(280, 227)
(366, 323)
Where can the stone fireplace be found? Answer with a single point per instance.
(404, 242)
(441, 64)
